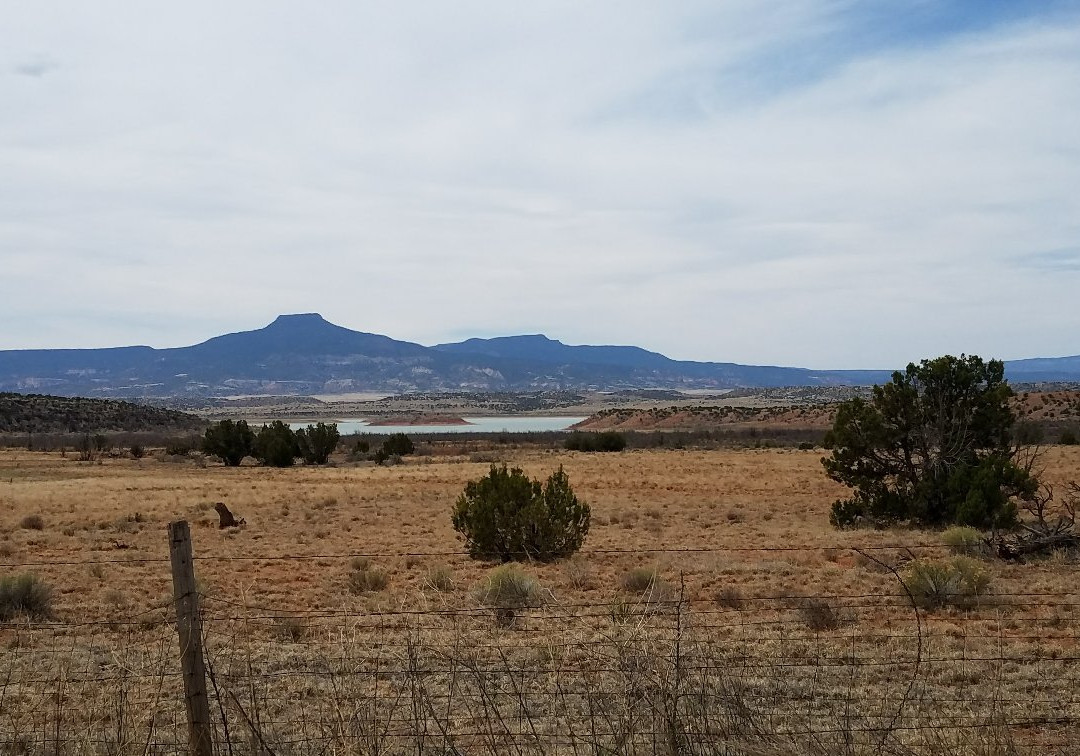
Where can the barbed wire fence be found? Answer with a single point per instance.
(662, 671)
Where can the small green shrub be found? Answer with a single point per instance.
(965, 541)
(610, 441)
(180, 447)
(380, 457)
(508, 587)
(578, 441)
(32, 522)
(359, 451)
(959, 582)
(1068, 437)
(25, 594)
(397, 444)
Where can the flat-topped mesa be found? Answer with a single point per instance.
(302, 320)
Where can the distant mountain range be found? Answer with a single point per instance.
(305, 354)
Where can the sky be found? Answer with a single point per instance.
(822, 183)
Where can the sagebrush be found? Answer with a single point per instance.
(25, 595)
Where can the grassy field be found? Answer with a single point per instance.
(343, 617)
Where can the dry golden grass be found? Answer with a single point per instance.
(103, 549)
(641, 501)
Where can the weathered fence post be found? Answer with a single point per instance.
(189, 628)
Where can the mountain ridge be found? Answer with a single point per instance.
(303, 353)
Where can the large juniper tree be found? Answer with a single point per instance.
(317, 442)
(932, 447)
(276, 446)
(507, 515)
(229, 441)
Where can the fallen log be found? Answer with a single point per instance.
(1017, 548)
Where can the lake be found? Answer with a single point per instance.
(475, 425)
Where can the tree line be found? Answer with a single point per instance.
(276, 444)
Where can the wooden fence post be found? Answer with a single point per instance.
(189, 628)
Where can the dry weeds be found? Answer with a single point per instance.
(736, 649)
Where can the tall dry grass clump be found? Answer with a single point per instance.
(579, 572)
(366, 578)
(25, 595)
(959, 582)
(965, 541)
(509, 587)
(439, 578)
(819, 615)
(32, 522)
(647, 583)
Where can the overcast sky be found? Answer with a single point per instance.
(819, 183)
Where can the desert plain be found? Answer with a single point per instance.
(712, 607)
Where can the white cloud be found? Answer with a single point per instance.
(602, 172)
